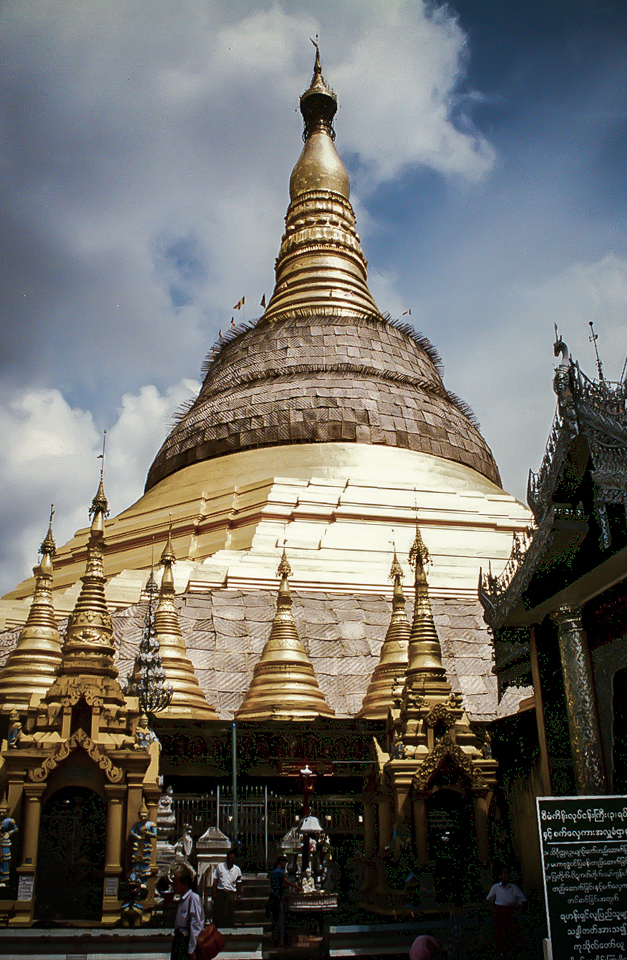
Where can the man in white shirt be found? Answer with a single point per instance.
(226, 891)
(190, 916)
(506, 899)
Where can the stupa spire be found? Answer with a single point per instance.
(284, 685)
(392, 664)
(32, 666)
(88, 648)
(321, 267)
(424, 654)
(187, 698)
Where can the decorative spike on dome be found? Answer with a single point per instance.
(318, 104)
(48, 548)
(32, 666)
(187, 698)
(393, 658)
(321, 267)
(284, 685)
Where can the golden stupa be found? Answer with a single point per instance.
(284, 685)
(317, 426)
(187, 700)
(392, 665)
(32, 666)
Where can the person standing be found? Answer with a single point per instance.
(226, 891)
(278, 883)
(506, 899)
(190, 916)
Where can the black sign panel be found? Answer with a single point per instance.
(583, 841)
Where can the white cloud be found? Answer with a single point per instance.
(48, 452)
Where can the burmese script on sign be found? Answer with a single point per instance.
(584, 856)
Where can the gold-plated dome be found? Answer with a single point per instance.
(424, 652)
(188, 699)
(321, 267)
(284, 686)
(392, 664)
(32, 666)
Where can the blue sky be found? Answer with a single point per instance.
(145, 154)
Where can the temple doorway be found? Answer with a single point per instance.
(70, 861)
(452, 844)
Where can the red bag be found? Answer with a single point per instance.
(210, 942)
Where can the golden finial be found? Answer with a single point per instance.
(100, 504)
(48, 545)
(396, 570)
(418, 554)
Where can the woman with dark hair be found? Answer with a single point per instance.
(190, 916)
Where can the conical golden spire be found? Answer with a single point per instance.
(88, 648)
(284, 685)
(392, 664)
(32, 666)
(188, 699)
(321, 267)
(425, 655)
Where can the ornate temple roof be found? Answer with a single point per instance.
(322, 363)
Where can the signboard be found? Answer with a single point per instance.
(25, 886)
(583, 843)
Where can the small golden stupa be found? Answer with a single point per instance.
(187, 699)
(429, 725)
(33, 665)
(284, 686)
(392, 665)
